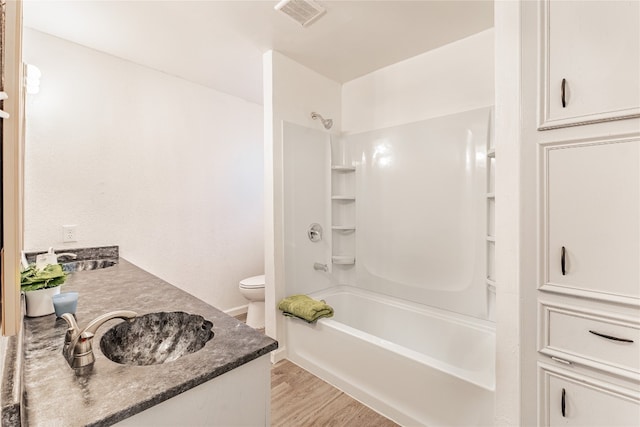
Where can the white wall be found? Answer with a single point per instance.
(291, 93)
(169, 170)
(453, 78)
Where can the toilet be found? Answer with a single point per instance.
(252, 288)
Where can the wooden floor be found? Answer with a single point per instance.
(300, 399)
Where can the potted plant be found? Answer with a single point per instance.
(39, 286)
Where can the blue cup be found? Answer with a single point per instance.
(65, 302)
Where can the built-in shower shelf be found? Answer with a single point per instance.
(491, 195)
(343, 223)
(343, 259)
(343, 168)
(491, 152)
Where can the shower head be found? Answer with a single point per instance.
(327, 123)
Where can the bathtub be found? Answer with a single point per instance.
(414, 364)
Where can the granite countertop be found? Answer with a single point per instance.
(55, 394)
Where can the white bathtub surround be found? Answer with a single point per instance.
(414, 364)
(421, 211)
(417, 202)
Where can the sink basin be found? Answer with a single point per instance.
(87, 264)
(156, 338)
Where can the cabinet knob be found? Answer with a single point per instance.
(563, 87)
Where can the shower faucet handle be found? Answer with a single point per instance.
(314, 232)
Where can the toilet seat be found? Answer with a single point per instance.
(254, 282)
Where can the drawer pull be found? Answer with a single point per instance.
(609, 337)
(563, 256)
(563, 403)
(563, 92)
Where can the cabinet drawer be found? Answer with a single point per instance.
(608, 343)
(586, 401)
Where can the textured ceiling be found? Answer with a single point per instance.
(219, 44)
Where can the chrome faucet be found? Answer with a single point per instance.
(78, 344)
(67, 254)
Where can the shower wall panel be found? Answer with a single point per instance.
(421, 211)
(306, 201)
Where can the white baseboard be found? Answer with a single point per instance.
(278, 355)
(237, 311)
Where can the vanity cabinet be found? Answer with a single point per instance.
(240, 397)
(589, 61)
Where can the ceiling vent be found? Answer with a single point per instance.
(304, 12)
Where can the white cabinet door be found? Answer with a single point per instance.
(594, 47)
(592, 203)
(576, 400)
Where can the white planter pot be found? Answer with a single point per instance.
(39, 303)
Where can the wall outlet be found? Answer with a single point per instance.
(69, 233)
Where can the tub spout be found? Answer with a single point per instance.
(320, 267)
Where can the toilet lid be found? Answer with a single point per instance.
(253, 282)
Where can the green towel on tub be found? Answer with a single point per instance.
(305, 308)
